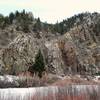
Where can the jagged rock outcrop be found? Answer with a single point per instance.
(78, 51)
(19, 54)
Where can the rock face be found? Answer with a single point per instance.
(19, 54)
(75, 52)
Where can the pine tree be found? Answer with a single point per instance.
(37, 26)
(17, 14)
(11, 17)
(39, 65)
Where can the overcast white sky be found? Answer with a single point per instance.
(50, 10)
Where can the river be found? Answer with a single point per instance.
(70, 92)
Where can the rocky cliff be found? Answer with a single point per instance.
(75, 52)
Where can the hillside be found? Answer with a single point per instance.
(70, 47)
